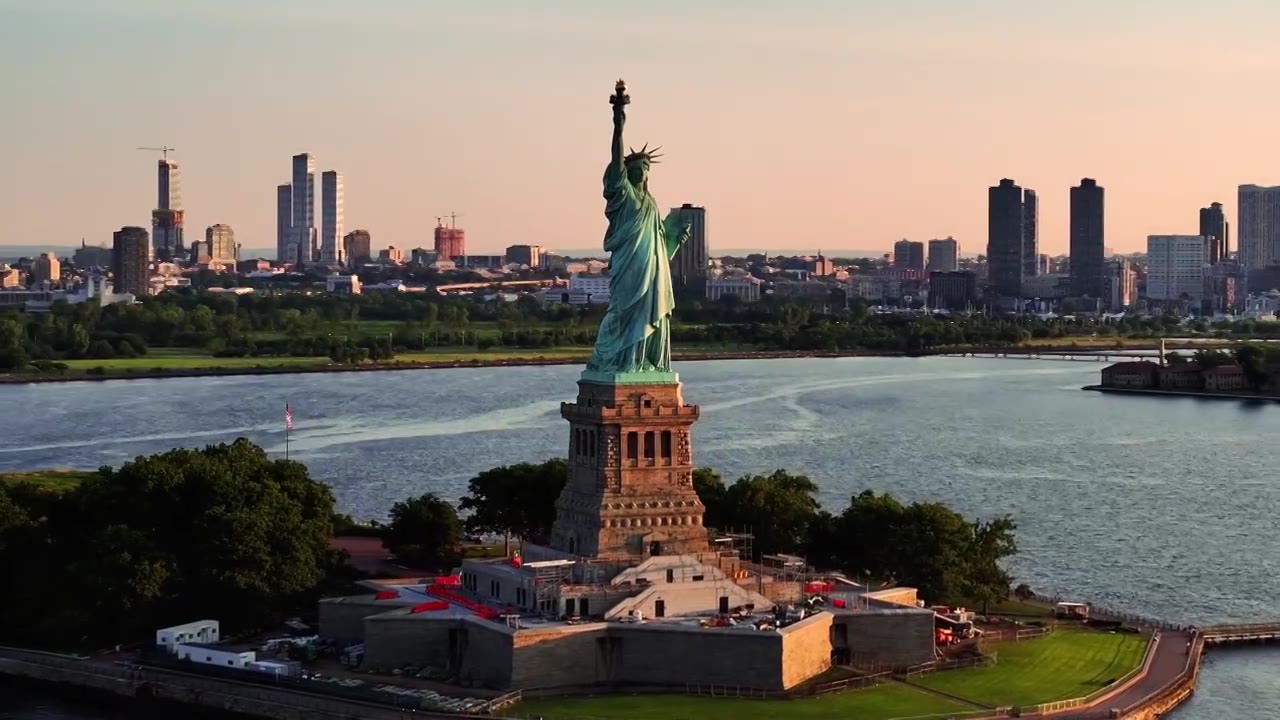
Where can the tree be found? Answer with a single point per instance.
(223, 532)
(516, 499)
(424, 530)
(777, 509)
(712, 492)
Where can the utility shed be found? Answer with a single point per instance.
(203, 631)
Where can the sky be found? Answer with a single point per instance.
(804, 125)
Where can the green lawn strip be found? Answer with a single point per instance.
(1068, 664)
(54, 480)
(879, 703)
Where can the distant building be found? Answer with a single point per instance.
(451, 242)
(47, 270)
(820, 266)
(91, 256)
(952, 290)
(423, 256)
(10, 277)
(285, 250)
(1123, 280)
(481, 261)
(944, 255)
(1088, 273)
(588, 289)
(530, 255)
(1258, 229)
(393, 255)
(745, 287)
(1176, 268)
(1225, 378)
(221, 242)
(1044, 264)
(689, 264)
(304, 209)
(1006, 218)
(1138, 374)
(331, 217)
(1046, 286)
(342, 284)
(356, 247)
(167, 219)
(130, 262)
(1030, 234)
(908, 255)
(1214, 226)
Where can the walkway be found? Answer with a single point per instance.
(1167, 665)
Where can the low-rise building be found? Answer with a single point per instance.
(745, 287)
(342, 284)
(1181, 376)
(1225, 378)
(203, 631)
(207, 654)
(1136, 374)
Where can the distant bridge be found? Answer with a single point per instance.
(1241, 634)
(1081, 355)
(498, 285)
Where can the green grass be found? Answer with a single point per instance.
(51, 480)
(1013, 606)
(1069, 663)
(191, 361)
(878, 703)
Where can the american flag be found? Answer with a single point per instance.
(288, 418)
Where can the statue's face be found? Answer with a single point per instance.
(637, 172)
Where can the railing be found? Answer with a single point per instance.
(501, 702)
(1131, 618)
(855, 683)
(1140, 671)
(1001, 636)
(1190, 671)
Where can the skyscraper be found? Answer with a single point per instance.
(1258, 229)
(220, 240)
(47, 270)
(130, 261)
(1214, 225)
(357, 248)
(1030, 233)
(304, 208)
(451, 242)
(285, 251)
(1088, 273)
(944, 255)
(331, 250)
(1005, 238)
(166, 218)
(689, 264)
(908, 255)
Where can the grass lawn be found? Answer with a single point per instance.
(1013, 606)
(878, 703)
(190, 360)
(54, 480)
(1069, 663)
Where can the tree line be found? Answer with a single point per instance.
(876, 538)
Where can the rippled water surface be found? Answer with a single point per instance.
(1162, 506)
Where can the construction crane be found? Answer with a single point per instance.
(453, 220)
(164, 150)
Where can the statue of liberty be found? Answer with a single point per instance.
(635, 335)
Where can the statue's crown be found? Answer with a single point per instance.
(645, 155)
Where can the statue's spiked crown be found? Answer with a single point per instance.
(645, 155)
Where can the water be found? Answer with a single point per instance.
(1155, 505)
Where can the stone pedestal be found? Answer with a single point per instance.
(630, 490)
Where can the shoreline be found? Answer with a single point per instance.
(436, 365)
(1202, 394)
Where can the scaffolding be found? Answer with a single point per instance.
(548, 577)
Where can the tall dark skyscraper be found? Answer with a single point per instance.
(1088, 271)
(1214, 227)
(1005, 237)
(908, 255)
(130, 260)
(1030, 234)
(689, 264)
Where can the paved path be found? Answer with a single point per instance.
(1169, 662)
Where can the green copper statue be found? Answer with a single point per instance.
(634, 344)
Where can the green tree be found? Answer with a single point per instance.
(424, 530)
(777, 509)
(516, 499)
(223, 532)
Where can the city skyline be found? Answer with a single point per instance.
(843, 127)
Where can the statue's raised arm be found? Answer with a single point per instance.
(619, 101)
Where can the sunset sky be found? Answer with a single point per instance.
(834, 124)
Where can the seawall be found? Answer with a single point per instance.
(1203, 394)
